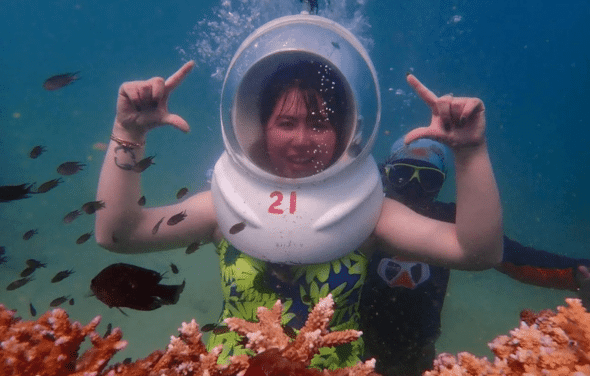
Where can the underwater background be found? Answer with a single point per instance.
(529, 61)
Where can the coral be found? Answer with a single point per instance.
(185, 355)
(545, 344)
(549, 344)
(277, 354)
(268, 333)
(50, 345)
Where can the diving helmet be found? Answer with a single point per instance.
(323, 215)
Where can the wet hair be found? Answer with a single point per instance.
(308, 95)
(312, 78)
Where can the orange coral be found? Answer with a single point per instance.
(554, 345)
(50, 345)
(278, 355)
(268, 333)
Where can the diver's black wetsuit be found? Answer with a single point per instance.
(400, 325)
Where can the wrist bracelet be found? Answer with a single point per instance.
(126, 144)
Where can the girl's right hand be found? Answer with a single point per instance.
(143, 105)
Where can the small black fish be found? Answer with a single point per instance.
(15, 192)
(181, 193)
(3, 258)
(29, 234)
(220, 329)
(32, 309)
(176, 218)
(108, 332)
(312, 5)
(208, 327)
(216, 328)
(157, 226)
(124, 285)
(58, 301)
(18, 283)
(243, 342)
(71, 302)
(127, 360)
(72, 215)
(92, 206)
(37, 151)
(336, 45)
(70, 168)
(35, 264)
(237, 228)
(28, 271)
(142, 165)
(49, 185)
(83, 238)
(141, 201)
(288, 330)
(174, 268)
(60, 80)
(192, 247)
(62, 275)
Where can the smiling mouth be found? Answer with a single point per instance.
(300, 160)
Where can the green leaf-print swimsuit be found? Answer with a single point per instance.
(248, 283)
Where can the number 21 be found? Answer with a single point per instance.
(278, 196)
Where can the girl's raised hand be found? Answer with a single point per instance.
(143, 105)
(457, 122)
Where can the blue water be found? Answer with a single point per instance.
(528, 60)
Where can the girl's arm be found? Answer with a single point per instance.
(475, 240)
(123, 225)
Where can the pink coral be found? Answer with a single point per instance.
(50, 345)
(268, 333)
(551, 344)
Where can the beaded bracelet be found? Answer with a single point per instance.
(126, 144)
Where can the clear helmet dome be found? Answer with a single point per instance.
(322, 203)
(321, 56)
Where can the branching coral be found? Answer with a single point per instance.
(50, 345)
(550, 344)
(278, 355)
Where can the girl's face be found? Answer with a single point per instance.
(299, 141)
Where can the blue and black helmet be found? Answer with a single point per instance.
(423, 160)
(424, 149)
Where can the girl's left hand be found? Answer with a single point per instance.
(457, 122)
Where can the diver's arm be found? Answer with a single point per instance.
(545, 269)
(123, 225)
(475, 241)
(540, 268)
